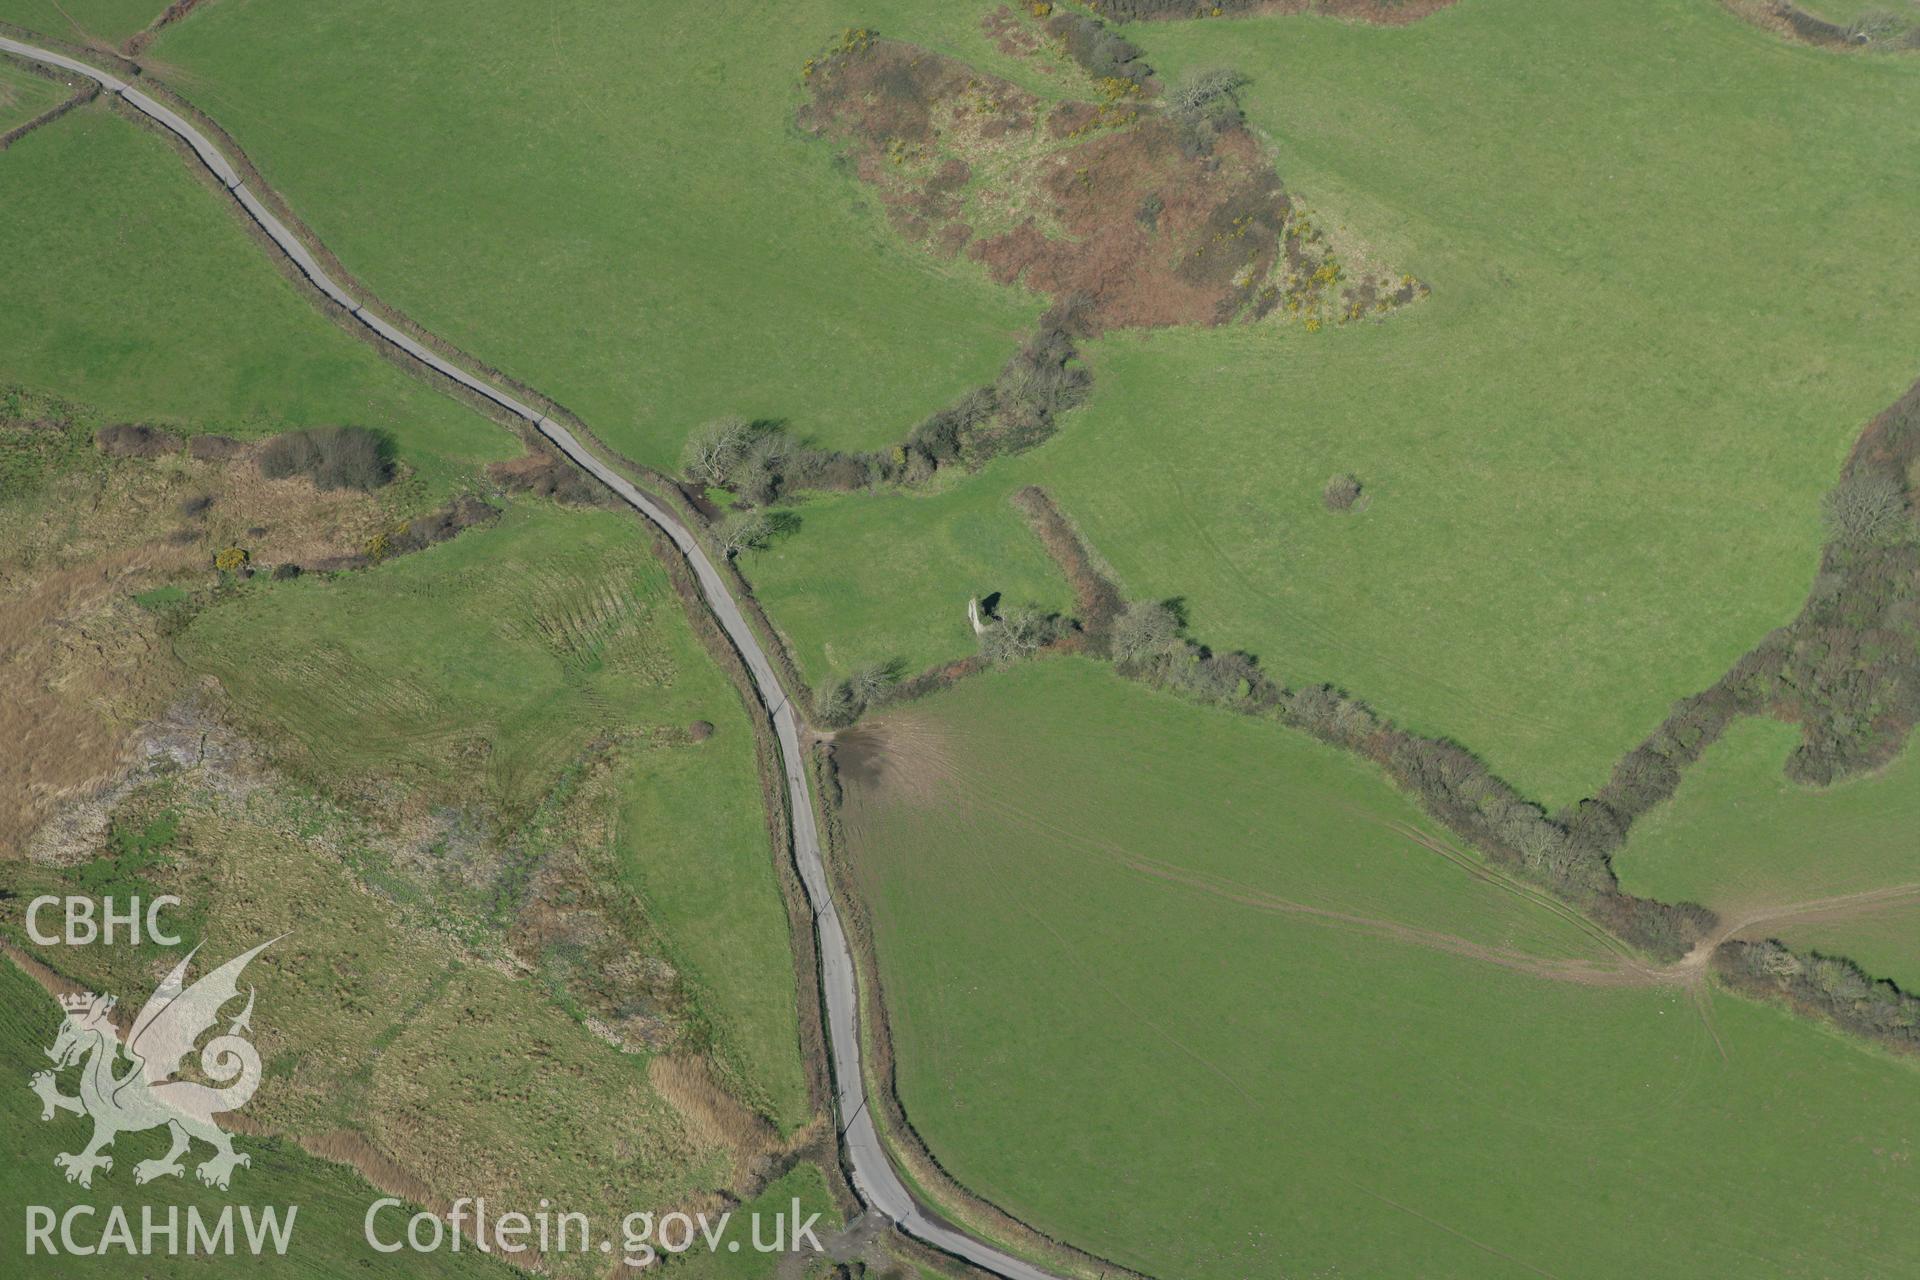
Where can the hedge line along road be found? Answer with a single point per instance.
(872, 1174)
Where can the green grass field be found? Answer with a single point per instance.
(1849, 10)
(332, 1200)
(24, 95)
(612, 204)
(1602, 366)
(482, 672)
(1198, 1087)
(1741, 838)
(162, 309)
(805, 1184)
(1595, 454)
(1738, 834)
(908, 603)
(84, 22)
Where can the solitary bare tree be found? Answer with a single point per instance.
(712, 452)
(871, 682)
(748, 531)
(1200, 92)
(1868, 509)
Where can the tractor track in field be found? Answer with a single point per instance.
(869, 1168)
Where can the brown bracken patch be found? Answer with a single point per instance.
(1141, 215)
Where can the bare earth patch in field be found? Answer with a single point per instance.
(898, 759)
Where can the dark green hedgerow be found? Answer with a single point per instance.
(761, 462)
(1827, 986)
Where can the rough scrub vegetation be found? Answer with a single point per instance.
(1152, 205)
(331, 457)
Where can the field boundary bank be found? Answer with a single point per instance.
(1793, 24)
(82, 95)
(869, 1172)
(1889, 442)
(1379, 13)
(136, 43)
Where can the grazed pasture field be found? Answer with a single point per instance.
(24, 95)
(164, 311)
(1741, 838)
(85, 22)
(916, 558)
(1595, 453)
(610, 203)
(1079, 1037)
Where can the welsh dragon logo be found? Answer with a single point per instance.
(146, 1095)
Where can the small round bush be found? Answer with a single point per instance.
(1342, 492)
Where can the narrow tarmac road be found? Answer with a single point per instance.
(872, 1173)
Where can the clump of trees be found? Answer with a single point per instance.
(1203, 104)
(841, 703)
(713, 451)
(1148, 10)
(745, 531)
(332, 457)
(1200, 93)
(1143, 629)
(1020, 632)
(760, 461)
(1016, 411)
(135, 440)
(1102, 53)
(1847, 670)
